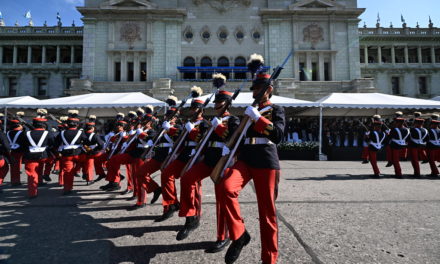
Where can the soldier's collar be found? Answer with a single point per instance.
(226, 114)
(263, 104)
(39, 129)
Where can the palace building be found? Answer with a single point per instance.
(166, 46)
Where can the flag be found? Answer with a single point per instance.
(28, 15)
(58, 16)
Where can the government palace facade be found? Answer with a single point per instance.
(165, 46)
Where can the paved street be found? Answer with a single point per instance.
(329, 212)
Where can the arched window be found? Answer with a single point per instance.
(189, 62)
(223, 62)
(240, 62)
(206, 62)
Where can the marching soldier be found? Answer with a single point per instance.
(70, 144)
(417, 143)
(258, 161)
(195, 128)
(389, 154)
(5, 150)
(375, 138)
(116, 143)
(190, 193)
(154, 163)
(93, 148)
(37, 145)
(398, 143)
(16, 129)
(433, 144)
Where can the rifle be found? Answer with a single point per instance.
(148, 153)
(207, 135)
(245, 123)
(177, 145)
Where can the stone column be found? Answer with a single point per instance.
(333, 67)
(1, 55)
(14, 58)
(308, 64)
(393, 55)
(406, 55)
(123, 66)
(296, 67)
(43, 55)
(379, 54)
(72, 55)
(321, 66)
(58, 54)
(366, 55)
(110, 68)
(136, 67)
(433, 55)
(29, 55)
(419, 54)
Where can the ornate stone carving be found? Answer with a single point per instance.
(223, 6)
(314, 34)
(130, 32)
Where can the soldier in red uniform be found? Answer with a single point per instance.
(93, 148)
(190, 192)
(70, 143)
(16, 129)
(398, 143)
(417, 144)
(196, 128)
(375, 139)
(153, 164)
(433, 144)
(258, 161)
(5, 151)
(37, 145)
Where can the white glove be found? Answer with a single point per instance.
(225, 151)
(166, 125)
(138, 131)
(189, 126)
(215, 122)
(253, 113)
(193, 152)
(150, 143)
(367, 133)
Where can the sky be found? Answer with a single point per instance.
(389, 10)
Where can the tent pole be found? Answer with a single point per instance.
(5, 119)
(321, 156)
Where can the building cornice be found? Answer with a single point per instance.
(87, 11)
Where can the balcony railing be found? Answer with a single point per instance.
(399, 31)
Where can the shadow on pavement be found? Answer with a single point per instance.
(348, 177)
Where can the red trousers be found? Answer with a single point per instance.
(266, 186)
(61, 174)
(57, 165)
(98, 161)
(365, 153)
(93, 163)
(16, 166)
(191, 196)
(415, 155)
(68, 163)
(168, 181)
(396, 154)
(373, 160)
(432, 157)
(114, 165)
(48, 165)
(146, 184)
(32, 168)
(4, 168)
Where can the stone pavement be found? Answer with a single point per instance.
(329, 212)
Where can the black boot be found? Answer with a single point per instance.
(47, 178)
(389, 164)
(136, 207)
(113, 187)
(218, 246)
(365, 161)
(127, 191)
(235, 248)
(156, 195)
(105, 187)
(191, 224)
(100, 177)
(168, 214)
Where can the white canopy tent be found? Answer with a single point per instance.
(16, 102)
(245, 99)
(364, 104)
